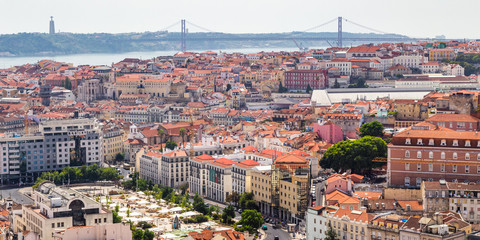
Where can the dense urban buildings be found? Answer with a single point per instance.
(262, 126)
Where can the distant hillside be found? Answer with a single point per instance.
(31, 44)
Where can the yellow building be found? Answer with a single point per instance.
(261, 187)
(113, 138)
(143, 84)
(441, 54)
(350, 224)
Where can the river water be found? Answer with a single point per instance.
(109, 58)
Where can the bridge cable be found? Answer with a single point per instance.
(170, 26)
(369, 28)
(202, 28)
(321, 25)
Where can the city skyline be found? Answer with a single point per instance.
(412, 18)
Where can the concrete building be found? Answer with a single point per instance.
(350, 224)
(197, 181)
(150, 166)
(58, 144)
(219, 183)
(105, 231)
(56, 209)
(241, 177)
(316, 223)
(174, 168)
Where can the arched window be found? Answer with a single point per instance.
(467, 156)
(442, 156)
(407, 154)
(419, 154)
(455, 155)
(430, 154)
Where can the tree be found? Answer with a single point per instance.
(116, 218)
(233, 197)
(330, 234)
(309, 89)
(137, 234)
(199, 205)
(161, 133)
(374, 129)
(282, 89)
(182, 133)
(228, 214)
(109, 174)
(246, 201)
(229, 86)
(119, 157)
(251, 221)
(170, 145)
(356, 155)
(67, 83)
(336, 84)
(148, 235)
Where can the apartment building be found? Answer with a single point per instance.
(316, 223)
(58, 208)
(457, 122)
(425, 152)
(439, 54)
(153, 85)
(197, 181)
(385, 227)
(350, 224)
(58, 144)
(174, 168)
(219, 183)
(461, 198)
(150, 166)
(113, 138)
(241, 177)
(261, 187)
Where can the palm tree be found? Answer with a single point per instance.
(182, 133)
(161, 133)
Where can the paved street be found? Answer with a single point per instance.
(271, 233)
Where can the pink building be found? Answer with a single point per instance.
(328, 132)
(341, 183)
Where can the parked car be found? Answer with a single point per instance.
(264, 227)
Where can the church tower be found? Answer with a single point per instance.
(52, 26)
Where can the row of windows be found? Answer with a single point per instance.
(442, 168)
(442, 155)
(443, 142)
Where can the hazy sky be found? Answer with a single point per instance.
(415, 18)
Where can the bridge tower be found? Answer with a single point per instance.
(339, 37)
(183, 44)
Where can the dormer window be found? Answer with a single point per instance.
(443, 142)
(455, 143)
(431, 142)
(419, 141)
(408, 141)
(467, 143)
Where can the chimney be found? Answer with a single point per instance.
(349, 184)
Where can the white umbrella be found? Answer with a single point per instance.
(135, 214)
(113, 205)
(140, 193)
(142, 202)
(163, 211)
(168, 236)
(123, 209)
(122, 214)
(153, 206)
(146, 219)
(133, 198)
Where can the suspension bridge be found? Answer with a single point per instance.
(305, 35)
